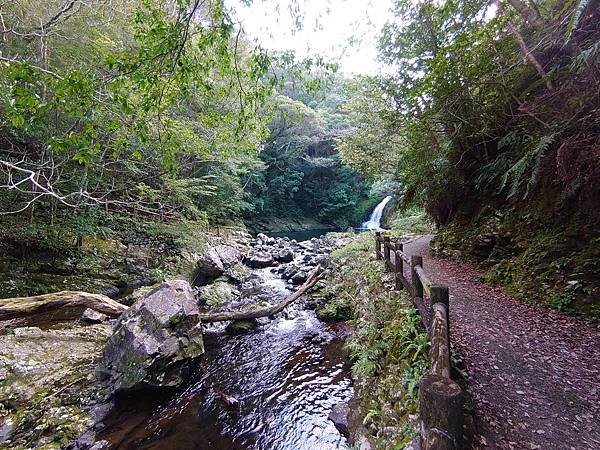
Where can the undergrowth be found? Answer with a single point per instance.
(389, 348)
(538, 260)
(412, 220)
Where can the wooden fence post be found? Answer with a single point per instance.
(378, 244)
(441, 294)
(398, 266)
(440, 411)
(386, 251)
(416, 281)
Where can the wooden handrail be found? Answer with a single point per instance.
(440, 398)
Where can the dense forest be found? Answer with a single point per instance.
(490, 121)
(160, 119)
(183, 212)
(162, 116)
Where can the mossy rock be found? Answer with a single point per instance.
(335, 311)
(216, 293)
(241, 326)
(238, 273)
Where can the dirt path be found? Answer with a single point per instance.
(533, 374)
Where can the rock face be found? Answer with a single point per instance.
(154, 340)
(36, 362)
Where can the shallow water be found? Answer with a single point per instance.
(286, 375)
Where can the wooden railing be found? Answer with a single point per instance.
(440, 398)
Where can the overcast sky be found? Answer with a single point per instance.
(340, 30)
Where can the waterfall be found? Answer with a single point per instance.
(374, 222)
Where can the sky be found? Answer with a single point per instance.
(343, 31)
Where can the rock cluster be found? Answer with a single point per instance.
(307, 255)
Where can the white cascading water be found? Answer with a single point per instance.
(374, 222)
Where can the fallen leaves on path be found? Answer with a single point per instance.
(534, 374)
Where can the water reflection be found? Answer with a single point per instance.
(286, 376)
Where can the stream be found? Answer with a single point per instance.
(286, 374)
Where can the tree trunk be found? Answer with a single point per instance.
(268, 311)
(13, 308)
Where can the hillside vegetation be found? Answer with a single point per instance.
(490, 119)
(150, 122)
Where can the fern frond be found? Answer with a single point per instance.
(510, 139)
(539, 151)
(575, 17)
(531, 160)
(586, 55)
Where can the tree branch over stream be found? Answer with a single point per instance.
(314, 277)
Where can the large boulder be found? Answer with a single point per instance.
(285, 255)
(228, 255)
(210, 264)
(155, 340)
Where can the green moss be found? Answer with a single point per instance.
(551, 264)
(134, 371)
(241, 326)
(389, 347)
(216, 293)
(176, 322)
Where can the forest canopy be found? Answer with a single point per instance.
(160, 108)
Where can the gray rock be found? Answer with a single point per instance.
(339, 417)
(285, 255)
(91, 316)
(210, 264)
(28, 332)
(299, 277)
(155, 340)
(6, 430)
(228, 255)
(259, 260)
(290, 271)
(262, 238)
(215, 262)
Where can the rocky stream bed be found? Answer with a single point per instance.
(157, 377)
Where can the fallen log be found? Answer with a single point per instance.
(17, 307)
(314, 277)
